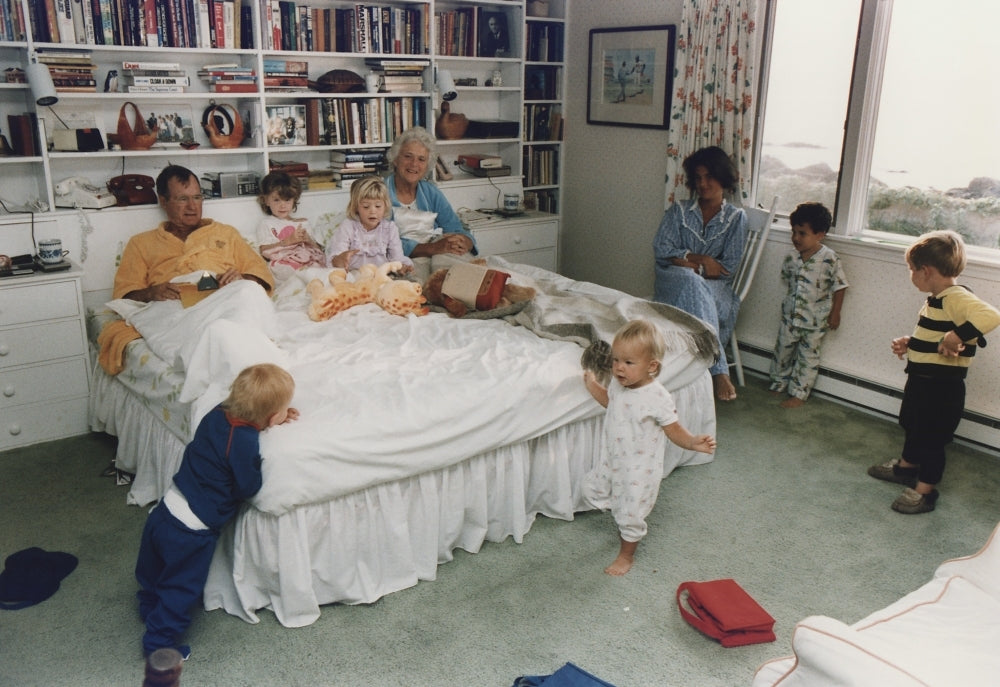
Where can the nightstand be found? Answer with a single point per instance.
(44, 378)
(532, 239)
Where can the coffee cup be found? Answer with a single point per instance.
(50, 251)
(511, 202)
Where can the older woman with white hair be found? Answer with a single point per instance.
(415, 199)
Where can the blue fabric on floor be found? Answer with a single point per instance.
(568, 676)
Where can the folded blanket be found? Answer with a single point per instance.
(112, 340)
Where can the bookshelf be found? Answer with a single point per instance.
(439, 34)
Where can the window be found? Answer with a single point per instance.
(885, 112)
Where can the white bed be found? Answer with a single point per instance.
(418, 435)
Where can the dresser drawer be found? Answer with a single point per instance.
(63, 379)
(38, 302)
(38, 343)
(29, 424)
(514, 237)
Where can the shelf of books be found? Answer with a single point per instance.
(307, 82)
(542, 109)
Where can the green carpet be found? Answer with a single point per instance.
(786, 509)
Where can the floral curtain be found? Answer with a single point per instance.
(715, 96)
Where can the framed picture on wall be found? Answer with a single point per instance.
(631, 76)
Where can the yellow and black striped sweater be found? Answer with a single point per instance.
(954, 309)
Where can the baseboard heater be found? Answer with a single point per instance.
(755, 354)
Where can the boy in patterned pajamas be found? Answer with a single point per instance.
(816, 287)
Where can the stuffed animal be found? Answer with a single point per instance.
(372, 285)
(597, 358)
(489, 297)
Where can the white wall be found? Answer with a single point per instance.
(613, 194)
(613, 177)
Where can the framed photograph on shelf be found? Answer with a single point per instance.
(286, 125)
(631, 76)
(494, 36)
(175, 122)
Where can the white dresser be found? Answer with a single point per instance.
(532, 239)
(44, 366)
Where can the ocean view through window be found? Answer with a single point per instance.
(911, 144)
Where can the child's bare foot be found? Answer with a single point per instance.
(619, 566)
(792, 402)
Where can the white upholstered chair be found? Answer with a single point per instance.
(759, 223)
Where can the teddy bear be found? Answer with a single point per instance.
(372, 285)
(510, 294)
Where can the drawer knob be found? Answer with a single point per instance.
(517, 240)
(4, 349)
(8, 390)
(14, 430)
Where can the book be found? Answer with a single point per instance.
(153, 89)
(477, 161)
(233, 87)
(492, 172)
(168, 66)
(153, 80)
(357, 156)
(312, 122)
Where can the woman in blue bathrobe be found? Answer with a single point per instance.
(698, 248)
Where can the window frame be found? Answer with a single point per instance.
(861, 116)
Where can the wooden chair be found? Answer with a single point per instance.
(759, 223)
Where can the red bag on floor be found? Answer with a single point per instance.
(724, 611)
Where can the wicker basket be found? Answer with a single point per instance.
(538, 8)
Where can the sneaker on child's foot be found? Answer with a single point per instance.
(892, 472)
(911, 502)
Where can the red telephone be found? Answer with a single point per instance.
(133, 189)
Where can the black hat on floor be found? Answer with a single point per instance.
(33, 575)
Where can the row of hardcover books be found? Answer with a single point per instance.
(544, 42)
(352, 121)
(358, 29)
(149, 23)
(539, 166)
(542, 123)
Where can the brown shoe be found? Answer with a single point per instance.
(912, 502)
(892, 472)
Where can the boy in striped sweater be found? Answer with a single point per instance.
(951, 326)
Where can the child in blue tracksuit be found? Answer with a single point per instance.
(219, 470)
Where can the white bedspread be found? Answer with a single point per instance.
(381, 397)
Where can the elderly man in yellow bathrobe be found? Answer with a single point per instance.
(183, 244)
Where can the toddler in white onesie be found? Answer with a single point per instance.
(640, 414)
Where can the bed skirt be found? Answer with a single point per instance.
(359, 547)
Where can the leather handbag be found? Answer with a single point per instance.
(138, 136)
(723, 610)
(223, 126)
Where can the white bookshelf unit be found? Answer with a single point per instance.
(532, 151)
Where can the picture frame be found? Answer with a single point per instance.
(285, 125)
(494, 34)
(631, 76)
(175, 122)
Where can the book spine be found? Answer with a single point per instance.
(219, 24)
(151, 34)
(312, 122)
(154, 80)
(153, 89)
(191, 22)
(234, 87)
(246, 27)
(64, 10)
(165, 66)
